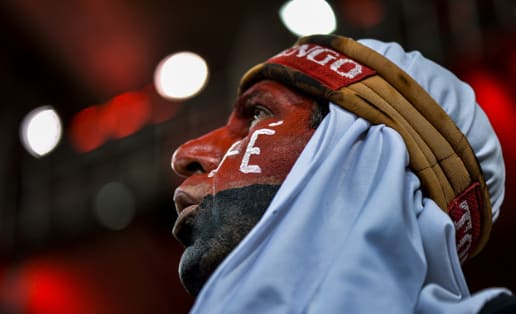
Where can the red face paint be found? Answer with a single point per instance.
(266, 132)
(233, 173)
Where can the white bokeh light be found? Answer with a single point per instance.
(181, 75)
(306, 17)
(41, 131)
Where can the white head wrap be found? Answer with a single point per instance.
(458, 100)
(349, 231)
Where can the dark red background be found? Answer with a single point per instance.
(94, 61)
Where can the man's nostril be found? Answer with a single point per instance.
(195, 167)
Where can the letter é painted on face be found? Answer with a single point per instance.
(245, 167)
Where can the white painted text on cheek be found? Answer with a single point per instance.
(250, 150)
(253, 150)
(245, 167)
(231, 152)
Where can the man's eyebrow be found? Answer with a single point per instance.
(240, 103)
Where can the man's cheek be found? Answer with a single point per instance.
(279, 152)
(250, 160)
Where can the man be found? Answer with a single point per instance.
(371, 209)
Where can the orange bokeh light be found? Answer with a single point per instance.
(124, 115)
(120, 117)
(85, 133)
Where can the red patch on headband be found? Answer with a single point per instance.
(328, 66)
(464, 211)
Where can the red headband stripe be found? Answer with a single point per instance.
(330, 67)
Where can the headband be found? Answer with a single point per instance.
(369, 85)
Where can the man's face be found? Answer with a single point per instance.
(232, 174)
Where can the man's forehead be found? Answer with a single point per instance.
(268, 90)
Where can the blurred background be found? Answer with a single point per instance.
(88, 125)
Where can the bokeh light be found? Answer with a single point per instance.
(114, 206)
(181, 75)
(493, 95)
(85, 133)
(120, 117)
(306, 17)
(124, 115)
(40, 131)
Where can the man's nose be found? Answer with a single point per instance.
(203, 154)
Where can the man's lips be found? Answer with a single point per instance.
(183, 227)
(186, 206)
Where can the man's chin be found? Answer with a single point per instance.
(192, 278)
(218, 226)
(202, 258)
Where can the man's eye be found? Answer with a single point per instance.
(259, 113)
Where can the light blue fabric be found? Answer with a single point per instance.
(348, 232)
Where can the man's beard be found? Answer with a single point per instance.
(220, 223)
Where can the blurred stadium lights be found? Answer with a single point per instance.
(181, 75)
(177, 77)
(120, 117)
(495, 98)
(85, 132)
(306, 17)
(51, 288)
(41, 131)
